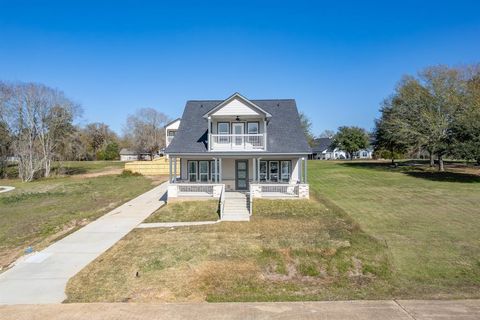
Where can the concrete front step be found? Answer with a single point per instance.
(236, 217)
(239, 211)
(236, 207)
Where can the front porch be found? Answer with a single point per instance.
(272, 176)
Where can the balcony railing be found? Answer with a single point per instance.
(225, 142)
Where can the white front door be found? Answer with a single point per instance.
(238, 130)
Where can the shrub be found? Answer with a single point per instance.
(128, 173)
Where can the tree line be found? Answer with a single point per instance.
(436, 112)
(37, 127)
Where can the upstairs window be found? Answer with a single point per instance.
(252, 128)
(223, 128)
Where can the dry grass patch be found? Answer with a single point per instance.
(291, 250)
(186, 211)
(40, 212)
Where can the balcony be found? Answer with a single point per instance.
(237, 142)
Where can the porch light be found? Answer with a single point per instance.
(237, 118)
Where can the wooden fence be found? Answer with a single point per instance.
(151, 168)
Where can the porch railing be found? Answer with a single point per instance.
(237, 141)
(265, 190)
(185, 189)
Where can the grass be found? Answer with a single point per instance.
(375, 232)
(39, 212)
(71, 168)
(430, 221)
(291, 250)
(186, 211)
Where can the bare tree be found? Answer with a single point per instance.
(38, 117)
(146, 127)
(56, 114)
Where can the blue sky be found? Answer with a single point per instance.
(338, 60)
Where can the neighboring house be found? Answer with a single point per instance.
(323, 150)
(237, 144)
(132, 155)
(364, 154)
(171, 129)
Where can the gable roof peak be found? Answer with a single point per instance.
(236, 95)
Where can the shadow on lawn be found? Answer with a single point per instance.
(417, 169)
(69, 171)
(444, 176)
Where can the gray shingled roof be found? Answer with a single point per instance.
(322, 144)
(284, 132)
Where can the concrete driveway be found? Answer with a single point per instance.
(328, 310)
(42, 277)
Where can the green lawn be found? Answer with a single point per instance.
(186, 211)
(291, 250)
(38, 212)
(430, 222)
(374, 232)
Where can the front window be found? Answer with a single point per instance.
(263, 171)
(203, 171)
(274, 171)
(214, 176)
(285, 173)
(192, 171)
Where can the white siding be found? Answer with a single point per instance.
(174, 125)
(235, 108)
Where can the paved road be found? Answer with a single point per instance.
(42, 277)
(335, 310)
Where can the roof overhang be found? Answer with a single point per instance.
(241, 98)
(171, 122)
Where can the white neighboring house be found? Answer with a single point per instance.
(323, 150)
(171, 129)
(364, 154)
(238, 148)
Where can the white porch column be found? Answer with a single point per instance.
(220, 170)
(265, 134)
(254, 165)
(258, 169)
(175, 169)
(209, 132)
(305, 178)
(170, 169)
(300, 174)
(215, 167)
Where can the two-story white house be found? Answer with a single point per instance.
(254, 147)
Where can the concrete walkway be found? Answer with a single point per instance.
(175, 224)
(42, 277)
(334, 310)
